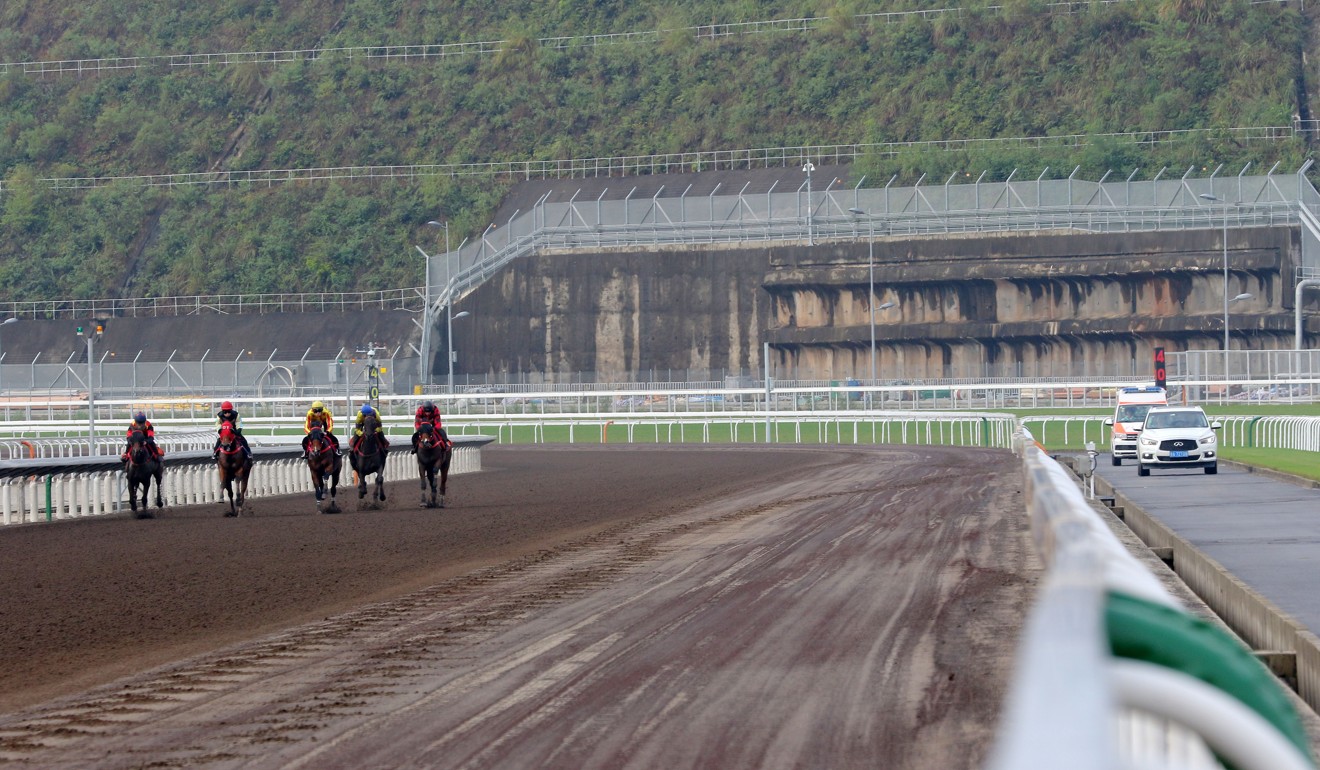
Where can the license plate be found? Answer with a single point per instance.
(1178, 454)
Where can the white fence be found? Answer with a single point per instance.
(69, 489)
(1091, 693)
(1239, 431)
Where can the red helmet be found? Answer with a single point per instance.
(226, 406)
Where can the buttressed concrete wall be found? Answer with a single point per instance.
(1038, 304)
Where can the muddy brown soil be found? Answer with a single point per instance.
(573, 607)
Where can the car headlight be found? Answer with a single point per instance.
(1208, 439)
(1148, 442)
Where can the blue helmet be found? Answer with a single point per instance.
(139, 417)
(366, 409)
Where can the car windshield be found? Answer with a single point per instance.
(1132, 412)
(1161, 420)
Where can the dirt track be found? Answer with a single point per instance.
(575, 607)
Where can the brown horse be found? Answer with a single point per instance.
(141, 467)
(434, 451)
(325, 465)
(368, 457)
(234, 466)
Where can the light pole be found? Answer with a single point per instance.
(1239, 297)
(809, 167)
(870, 295)
(426, 313)
(92, 331)
(449, 334)
(5, 322)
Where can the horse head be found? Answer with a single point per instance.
(316, 441)
(137, 446)
(227, 434)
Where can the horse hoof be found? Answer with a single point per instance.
(230, 515)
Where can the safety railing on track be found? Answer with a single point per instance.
(1106, 644)
(58, 489)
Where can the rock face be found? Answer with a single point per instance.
(1039, 304)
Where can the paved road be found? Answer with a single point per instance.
(1264, 531)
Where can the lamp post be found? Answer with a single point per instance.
(808, 167)
(426, 313)
(5, 322)
(89, 334)
(1209, 197)
(449, 334)
(870, 295)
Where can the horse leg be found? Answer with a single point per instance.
(229, 492)
(380, 482)
(421, 484)
(444, 481)
(159, 502)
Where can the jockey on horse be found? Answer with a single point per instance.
(319, 415)
(427, 414)
(228, 414)
(357, 429)
(141, 423)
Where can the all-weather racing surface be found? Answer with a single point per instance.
(574, 607)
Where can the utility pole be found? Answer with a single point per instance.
(89, 334)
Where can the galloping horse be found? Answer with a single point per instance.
(434, 451)
(369, 457)
(234, 466)
(140, 468)
(324, 464)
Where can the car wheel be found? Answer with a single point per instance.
(1116, 460)
(1142, 470)
(1211, 470)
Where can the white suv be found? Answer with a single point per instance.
(1177, 437)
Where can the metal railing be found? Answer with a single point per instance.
(423, 52)
(409, 299)
(661, 163)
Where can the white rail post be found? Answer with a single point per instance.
(6, 507)
(35, 498)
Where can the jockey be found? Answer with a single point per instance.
(427, 413)
(140, 422)
(357, 429)
(319, 415)
(228, 414)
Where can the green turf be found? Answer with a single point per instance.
(1298, 463)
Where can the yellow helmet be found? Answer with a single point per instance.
(317, 405)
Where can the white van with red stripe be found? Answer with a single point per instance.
(1129, 415)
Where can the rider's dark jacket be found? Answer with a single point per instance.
(229, 416)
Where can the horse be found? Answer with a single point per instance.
(434, 451)
(234, 466)
(369, 457)
(141, 467)
(324, 464)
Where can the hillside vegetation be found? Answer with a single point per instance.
(1024, 70)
